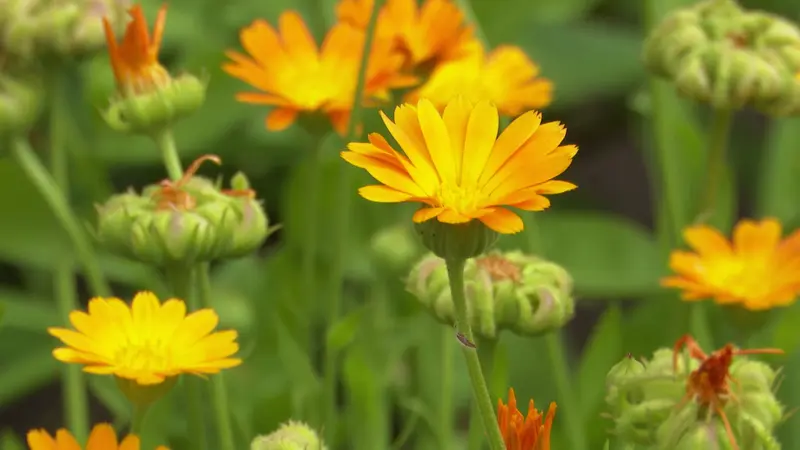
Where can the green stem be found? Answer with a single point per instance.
(308, 261)
(341, 232)
(565, 387)
(720, 131)
(137, 422)
(180, 279)
(165, 141)
(445, 412)
(487, 353)
(455, 273)
(219, 393)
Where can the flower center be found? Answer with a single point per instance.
(464, 200)
(146, 356)
(742, 276)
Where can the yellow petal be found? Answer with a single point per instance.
(503, 221)
(456, 116)
(423, 172)
(385, 173)
(751, 237)
(437, 141)
(481, 135)
(65, 441)
(509, 142)
(425, 214)
(707, 241)
(102, 437)
(383, 194)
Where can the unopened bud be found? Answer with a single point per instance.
(20, 103)
(290, 436)
(521, 293)
(396, 247)
(456, 241)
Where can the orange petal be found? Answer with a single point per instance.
(102, 437)
(383, 194)
(280, 119)
(425, 214)
(750, 237)
(503, 221)
(707, 241)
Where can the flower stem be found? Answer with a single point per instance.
(445, 413)
(720, 131)
(219, 393)
(455, 273)
(180, 279)
(564, 386)
(487, 352)
(308, 261)
(340, 233)
(165, 141)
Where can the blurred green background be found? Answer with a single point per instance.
(611, 234)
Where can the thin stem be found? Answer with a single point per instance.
(455, 273)
(446, 408)
(309, 251)
(165, 141)
(487, 352)
(57, 202)
(180, 279)
(219, 393)
(341, 223)
(571, 412)
(139, 414)
(720, 131)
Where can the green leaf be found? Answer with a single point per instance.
(344, 331)
(9, 441)
(779, 185)
(24, 312)
(603, 351)
(25, 371)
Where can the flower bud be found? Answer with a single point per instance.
(20, 103)
(290, 436)
(144, 395)
(395, 246)
(188, 221)
(155, 109)
(718, 53)
(456, 241)
(524, 294)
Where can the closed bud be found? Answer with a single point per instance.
(396, 247)
(455, 242)
(20, 103)
(524, 294)
(157, 108)
(290, 436)
(144, 395)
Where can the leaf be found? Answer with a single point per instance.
(9, 441)
(344, 331)
(779, 186)
(25, 372)
(608, 256)
(23, 312)
(603, 351)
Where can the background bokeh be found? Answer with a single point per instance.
(607, 233)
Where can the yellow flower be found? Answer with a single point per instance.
(521, 432)
(455, 164)
(135, 59)
(102, 437)
(436, 31)
(296, 76)
(146, 342)
(756, 270)
(505, 77)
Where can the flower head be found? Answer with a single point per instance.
(102, 437)
(506, 77)
(297, 76)
(135, 59)
(455, 164)
(521, 432)
(146, 342)
(757, 270)
(435, 31)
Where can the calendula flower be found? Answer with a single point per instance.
(757, 270)
(102, 437)
(135, 59)
(521, 432)
(435, 31)
(296, 76)
(146, 342)
(455, 164)
(506, 77)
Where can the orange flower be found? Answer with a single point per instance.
(102, 437)
(135, 59)
(524, 433)
(756, 270)
(434, 32)
(297, 76)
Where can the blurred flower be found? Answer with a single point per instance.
(290, 436)
(521, 432)
(456, 166)
(757, 270)
(298, 77)
(433, 32)
(147, 342)
(505, 77)
(102, 437)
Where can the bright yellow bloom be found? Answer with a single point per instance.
(435, 32)
(521, 432)
(102, 437)
(146, 342)
(506, 77)
(135, 59)
(296, 76)
(457, 165)
(756, 270)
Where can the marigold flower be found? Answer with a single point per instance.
(146, 342)
(102, 437)
(457, 165)
(756, 270)
(521, 432)
(435, 31)
(506, 77)
(297, 76)
(135, 59)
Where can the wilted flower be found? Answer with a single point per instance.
(521, 432)
(506, 77)
(102, 437)
(290, 436)
(757, 271)
(297, 77)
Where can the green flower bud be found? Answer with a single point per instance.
(144, 395)
(456, 241)
(188, 221)
(396, 246)
(290, 436)
(524, 294)
(153, 110)
(20, 103)
(718, 53)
